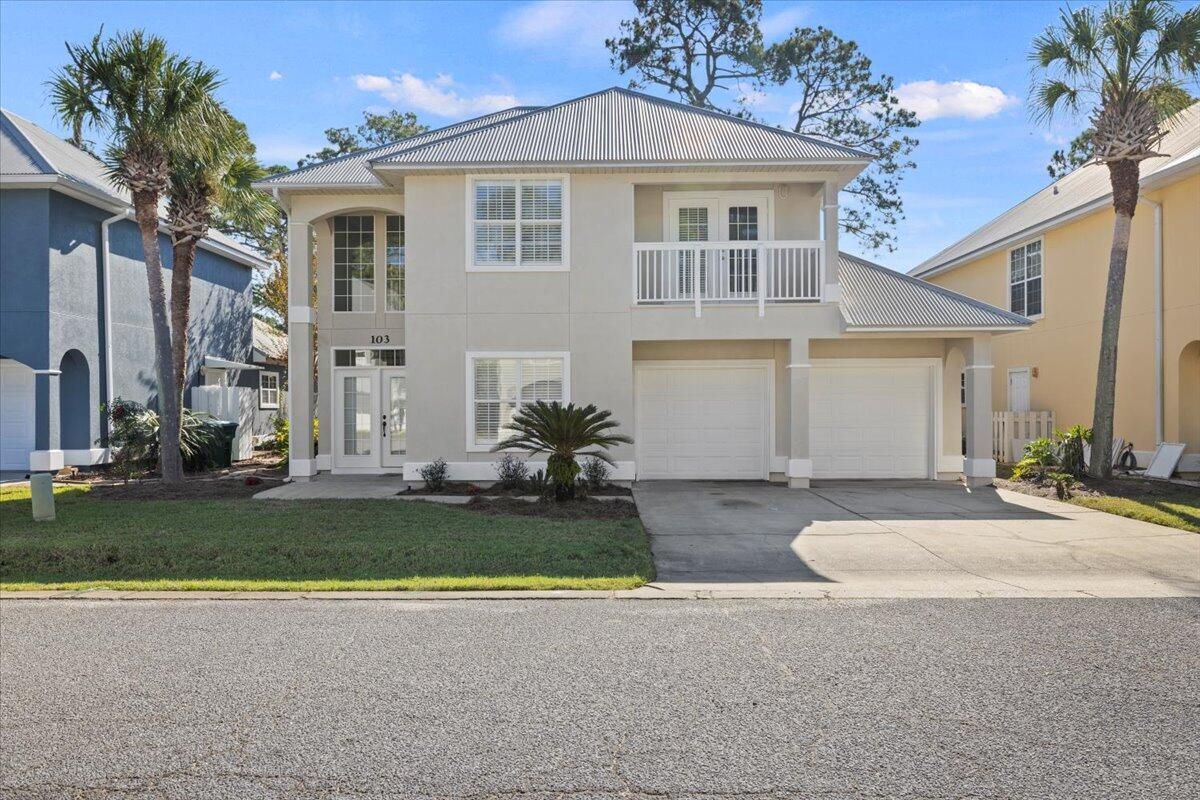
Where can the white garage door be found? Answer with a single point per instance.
(16, 414)
(697, 420)
(870, 421)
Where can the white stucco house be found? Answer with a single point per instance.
(676, 266)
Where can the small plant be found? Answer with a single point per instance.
(595, 474)
(1063, 483)
(539, 484)
(280, 435)
(134, 438)
(1071, 443)
(1039, 455)
(512, 472)
(434, 474)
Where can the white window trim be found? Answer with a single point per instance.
(380, 257)
(1008, 284)
(565, 355)
(469, 190)
(673, 199)
(268, 374)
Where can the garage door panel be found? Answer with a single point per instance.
(870, 421)
(17, 414)
(714, 426)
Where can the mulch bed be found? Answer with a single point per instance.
(1132, 488)
(550, 509)
(463, 488)
(244, 479)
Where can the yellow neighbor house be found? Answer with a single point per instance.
(1047, 258)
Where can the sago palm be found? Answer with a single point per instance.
(210, 176)
(1125, 67)
(148, 102)
(564, 432)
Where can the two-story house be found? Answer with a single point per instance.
(676, 266)
(1047, 258)
(75, 328)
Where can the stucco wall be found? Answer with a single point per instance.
(1064, 343)
(797, 208)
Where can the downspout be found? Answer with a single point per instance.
(1159, 433)
(106, 303)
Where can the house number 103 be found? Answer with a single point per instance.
(381, 339)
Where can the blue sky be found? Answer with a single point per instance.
(294, 69)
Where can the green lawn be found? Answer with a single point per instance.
(245, 545)
(1175, 513)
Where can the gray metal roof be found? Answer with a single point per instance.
(1080, 189)
(28, 151)
(619, 126)
(354, 169)
(270, 341)
(875, 297)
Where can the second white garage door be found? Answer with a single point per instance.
(16, 415)
(703, 420)
(870, 421)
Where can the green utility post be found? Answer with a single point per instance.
(41, 490)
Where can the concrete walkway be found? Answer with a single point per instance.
(338, 487)
(900, 539)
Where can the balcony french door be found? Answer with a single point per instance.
(728, 273)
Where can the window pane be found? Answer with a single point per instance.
(1033, 297)
(541, 379)
(1016, 265)
(354, 263)
(487, 422)
(541, 243)
(1033, 264)
(541, 199)
(1017, 299)
(495, 243)
(743, 223)
(495, 200)
(693, 224)
(356, 413)
(395, 263)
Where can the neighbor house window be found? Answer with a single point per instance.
(268, 389)
(518, 223)
(395, 263)
(1025, 279)
(354, 263)
(499, 384)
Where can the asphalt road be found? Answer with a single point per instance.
(804, 698)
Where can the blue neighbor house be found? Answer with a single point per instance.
(74, 310)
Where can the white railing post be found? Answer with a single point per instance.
(762, 274)
(636, 270)
(696, 277)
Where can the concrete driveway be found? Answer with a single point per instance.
(905, 538)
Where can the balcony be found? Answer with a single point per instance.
(728, 273)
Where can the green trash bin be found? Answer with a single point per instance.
(226, 433)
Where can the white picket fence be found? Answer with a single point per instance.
(231, 404)
(1012, 430)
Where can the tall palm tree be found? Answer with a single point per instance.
(1125, 67)
(72, 93)
(148, 102)
(211, 176)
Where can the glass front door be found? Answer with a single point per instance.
(395, 423)
(357, 432)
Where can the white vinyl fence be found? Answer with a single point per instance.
(1012, 430)
(231, 404)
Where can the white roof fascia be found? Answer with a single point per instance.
(547, 165)
(1183, 168)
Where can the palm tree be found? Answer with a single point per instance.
(72, 94)
(564, 432)
(1125, 67)
(211, 176)
(149, 102)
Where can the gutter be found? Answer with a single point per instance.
(1159, 433)
(106, 302)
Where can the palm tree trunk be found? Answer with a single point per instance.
(184, 257)
(1124, 178)
(170, 461)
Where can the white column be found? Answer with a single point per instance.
(829, 210)
(799, 465)
(979, 468)
(301, 460)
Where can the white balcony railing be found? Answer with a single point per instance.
(735, 273)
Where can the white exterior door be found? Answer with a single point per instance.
(394, 423)
(358, 432)
(734, 216)
(698, 420)
(17, 414)
(871, 421)
(1018, 389)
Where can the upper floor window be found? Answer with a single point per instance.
(395, 263)
(1025, 279)
(354, 263)
(519, 223)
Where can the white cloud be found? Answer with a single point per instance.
(437, 96)
(275, 75)
(933, 99)
(780, 24)
(576, 28)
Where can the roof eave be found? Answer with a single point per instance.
(937, 329)
(384, 166)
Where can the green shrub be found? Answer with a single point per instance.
(1040, 454)
(434, 474)
(1063, 483)
(134, 433)
(280, 436)
(511, 472)
(595, 474)
(1071, 443)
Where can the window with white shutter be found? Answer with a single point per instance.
(499, 383)
(518, 223)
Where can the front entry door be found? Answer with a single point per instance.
(357, 433)
(394, 423)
